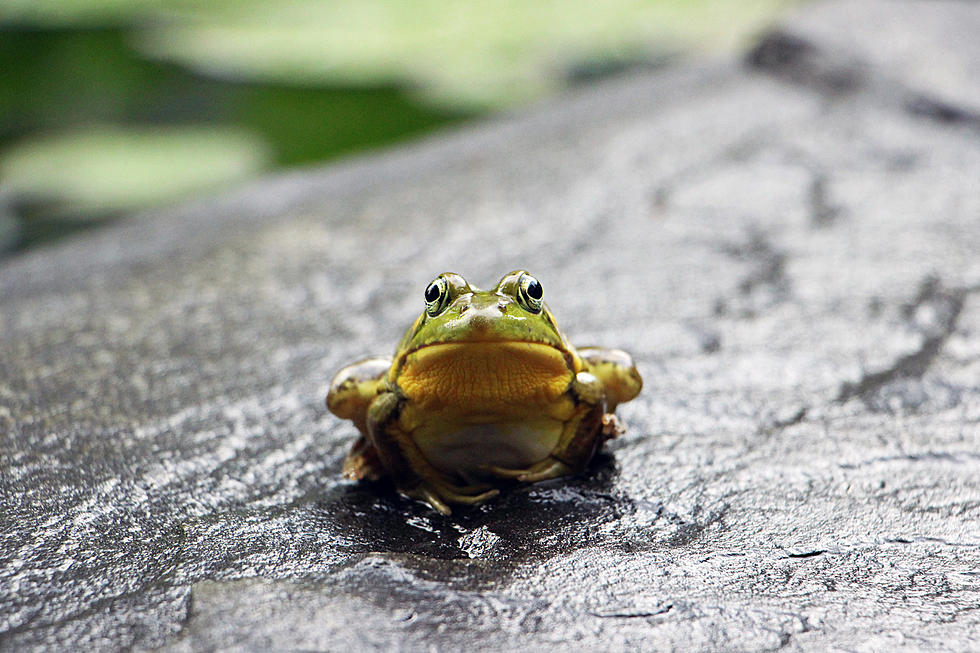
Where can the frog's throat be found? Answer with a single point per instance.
(485, 376)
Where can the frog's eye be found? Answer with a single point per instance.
(436, 294)
(529, 293)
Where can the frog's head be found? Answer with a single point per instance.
(470, 341)
(456, 312)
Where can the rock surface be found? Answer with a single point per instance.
(789, 246)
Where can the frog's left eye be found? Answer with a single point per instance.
(436, 294)
(530, 293)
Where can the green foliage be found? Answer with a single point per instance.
(111, 105)
(128, 168)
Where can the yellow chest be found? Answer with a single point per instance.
(493, 377)
(499, 404)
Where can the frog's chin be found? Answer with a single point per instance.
(485, 376)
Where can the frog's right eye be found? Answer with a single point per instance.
(436, 294)
(529, 293)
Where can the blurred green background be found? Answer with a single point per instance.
(111, 106)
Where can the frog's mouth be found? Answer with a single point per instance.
(485, 375)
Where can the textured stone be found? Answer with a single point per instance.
(793, 262)
(925, 53)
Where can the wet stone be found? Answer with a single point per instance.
(792, 260)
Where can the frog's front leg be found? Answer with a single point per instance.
(581, 436)
(615, 370)
(413, 474)
(354, 388)
(351, 393)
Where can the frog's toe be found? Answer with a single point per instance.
(546, 469)
(473, 499)
(424, 493)
(363, 462)
(439, 495)
(464, 493)
(611, 427)
(503, 472)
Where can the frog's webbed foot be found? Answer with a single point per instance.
(548, 468)
(438, 493)
(362, 462)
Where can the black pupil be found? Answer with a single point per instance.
(432, 292)
(533, 289)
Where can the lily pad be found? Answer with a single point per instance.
(470, 53)
(94, 172)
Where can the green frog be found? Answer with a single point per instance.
(484, 390)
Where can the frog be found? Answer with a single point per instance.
(484, 392)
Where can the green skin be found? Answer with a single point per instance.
(368, 393)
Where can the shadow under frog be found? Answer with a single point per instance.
(522, 524)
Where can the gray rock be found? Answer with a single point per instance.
(926, 54)
(793, 262)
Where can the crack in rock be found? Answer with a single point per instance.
(933, 313)
(766, 283)
(806, 554)
(940, 111)
(793, 57)
(822, 211)
(925, 456)
(785, 419)
(632, 614)
(688, 532)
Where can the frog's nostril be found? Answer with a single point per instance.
(464, 308)
(502, 307)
